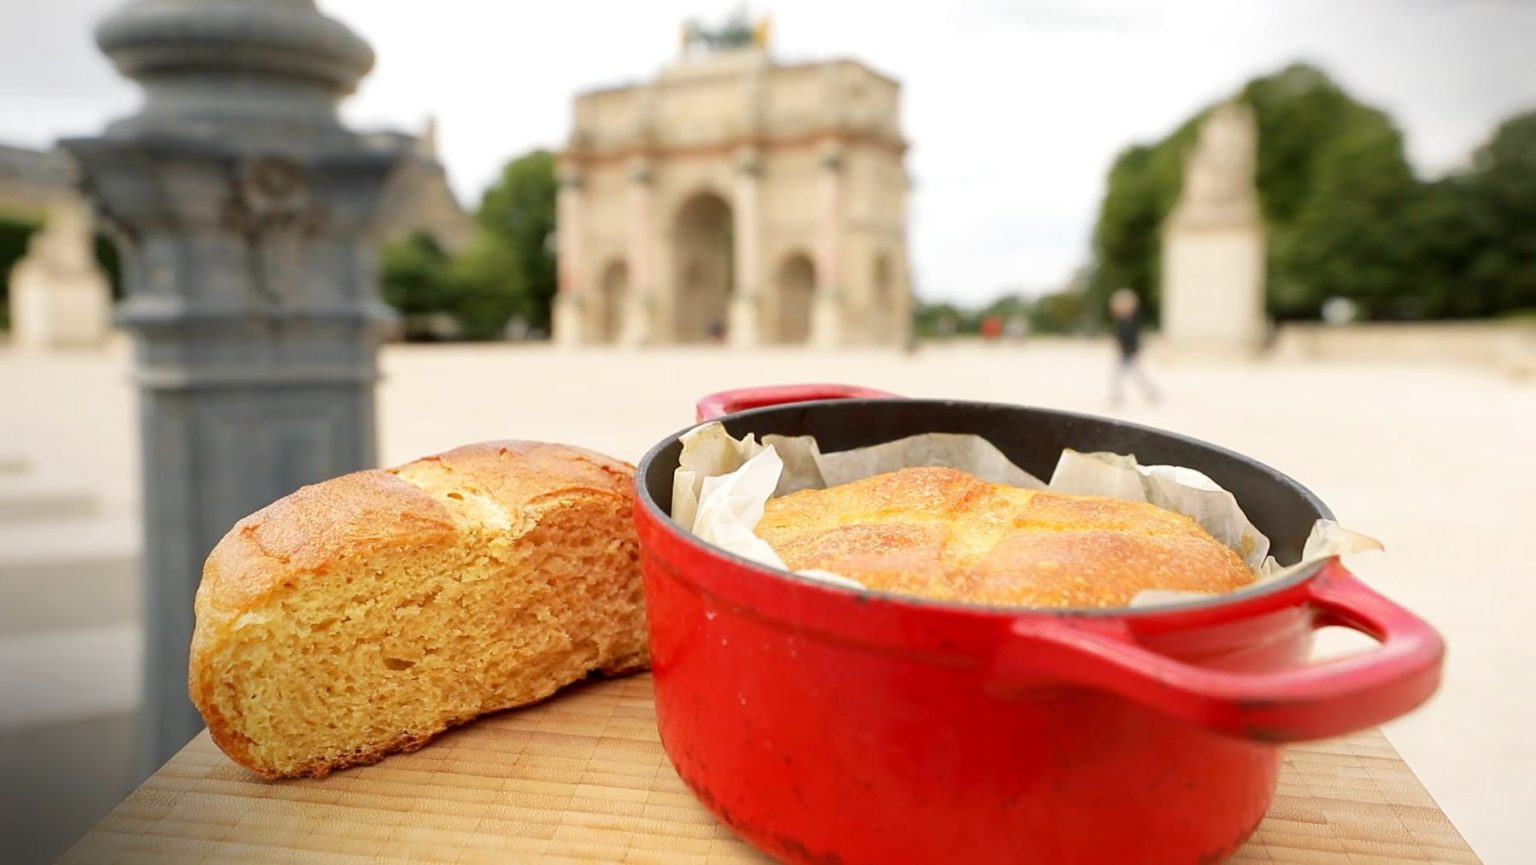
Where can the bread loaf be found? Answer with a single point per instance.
(364, 615)
(945, 534)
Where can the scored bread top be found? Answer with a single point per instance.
(419, 504)
(943, 533)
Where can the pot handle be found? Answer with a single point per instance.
(730, 401)
(1315, 701)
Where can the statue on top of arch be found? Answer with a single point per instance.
(736, 32)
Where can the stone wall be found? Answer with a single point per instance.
(1509, 347)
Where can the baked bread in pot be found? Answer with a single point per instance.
(945, 534)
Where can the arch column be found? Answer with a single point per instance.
(638, 305)
(745, 309)
(827, 323)
(570, 324)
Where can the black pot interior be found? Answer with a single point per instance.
(1032, 438)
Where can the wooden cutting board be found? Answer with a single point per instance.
(582, 778)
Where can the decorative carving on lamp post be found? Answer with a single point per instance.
(245, 213)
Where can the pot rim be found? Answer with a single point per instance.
(1198, 605)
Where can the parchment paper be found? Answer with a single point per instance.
(722, 484)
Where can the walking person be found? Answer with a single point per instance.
(1123, 306)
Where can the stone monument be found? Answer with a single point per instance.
(245, 214)
(1214, 242)
(736, 196)
(59, 296)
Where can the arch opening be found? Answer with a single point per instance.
(704, 266)
(796, 286)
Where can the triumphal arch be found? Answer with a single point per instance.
(734, 198)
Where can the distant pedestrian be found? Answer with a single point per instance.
(1123, 306)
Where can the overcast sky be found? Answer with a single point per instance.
(1014, 107)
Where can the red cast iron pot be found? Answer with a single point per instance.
(836, 726)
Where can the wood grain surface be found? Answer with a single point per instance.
(582, 778)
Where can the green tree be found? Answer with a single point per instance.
(509, 269)
(944, 319)
(14, 234)
(1500, 270)
(1127, 238)
(1298, 112)
(416, 279)
(1061, 312)
(1346, 236)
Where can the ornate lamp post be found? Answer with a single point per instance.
(243, 209)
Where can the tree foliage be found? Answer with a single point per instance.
(1127, 237)
(14, 234)
(1500, 196)
(417, 281)
(508, 269)
(1061, 312)
(1345, 237)
(1345, 214)
(944, 319)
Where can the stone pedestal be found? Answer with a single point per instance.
(59, 297)
(1216, 305)
(1214, 244)
(245, 214)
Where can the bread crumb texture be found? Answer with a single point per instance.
(364, 615)
(943, 533)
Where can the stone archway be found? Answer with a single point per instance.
(612, 294)
(884, 307)
(795, 291)
(703, 264)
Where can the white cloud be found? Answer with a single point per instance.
(1014, 109)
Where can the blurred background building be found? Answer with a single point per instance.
(736, 196)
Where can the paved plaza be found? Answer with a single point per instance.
(1435, 460)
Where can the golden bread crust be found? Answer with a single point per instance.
(945, 534)
(483, 500)
(313, 526)
(516, 473)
